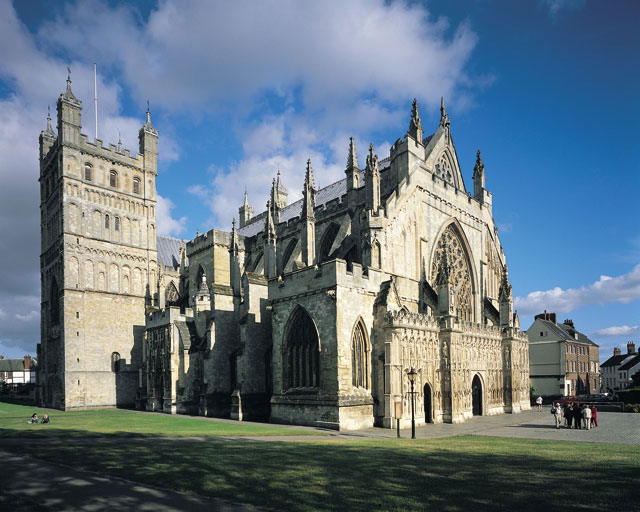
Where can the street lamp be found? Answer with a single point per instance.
(412, 377)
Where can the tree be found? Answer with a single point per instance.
(635, 378)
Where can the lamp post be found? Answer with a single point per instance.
(412, 377)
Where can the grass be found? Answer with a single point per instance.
(123, 423)
(459, 473)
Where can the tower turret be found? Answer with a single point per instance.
(270, 244)
(415, 126)
(480, 193)
(352, 171)
(505, 297)
(148, 137)
(308, 217)
(245, 211)
(47, 137)
(69, 115)
(372, 181)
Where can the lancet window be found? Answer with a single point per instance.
(87, 172)
(302, 352)
(360, 357)
(171, 294)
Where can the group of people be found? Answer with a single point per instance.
(34, 418)
(576, 415)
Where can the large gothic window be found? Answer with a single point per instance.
(302, 351)
(458, 259)
(360, 357)
(288, 253)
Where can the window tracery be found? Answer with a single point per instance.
(444, 169)
(459, 270)
(359, 358)
(302, 352)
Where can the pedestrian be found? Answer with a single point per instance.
(557, 414)
(577, 416)
(594, 416)
(586, 416)
(568, 414)
(539, 403)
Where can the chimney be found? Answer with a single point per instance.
(616, 351)
(631, 347)
(568, 322)
(547, 316)
(27, 362)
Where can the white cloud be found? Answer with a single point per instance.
(167, 225)
(192, 53)
(618, 330)
(29, 317)
(623, 289)
(557, 7)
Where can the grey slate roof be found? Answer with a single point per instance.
(614, 360)
(13, 365)
(168, 251)
(631, 363)
(564, 332)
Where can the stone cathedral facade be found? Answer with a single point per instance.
(307, 313)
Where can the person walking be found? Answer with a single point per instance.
(577, 416)
(586, 416)
(557, 414)
(568, 414)
(539, 403)
(594, 416)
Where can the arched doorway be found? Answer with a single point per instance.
(476, 396)
(428, 409)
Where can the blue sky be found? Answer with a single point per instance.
(548, 90)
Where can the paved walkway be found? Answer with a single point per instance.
(55, 487)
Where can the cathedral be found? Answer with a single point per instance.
(315, 312)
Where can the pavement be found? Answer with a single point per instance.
(50, 487)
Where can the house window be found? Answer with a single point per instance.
(113, 179)
(87, 172)
(136, 185)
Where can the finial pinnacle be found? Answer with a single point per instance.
(68, 74)
(49, 112)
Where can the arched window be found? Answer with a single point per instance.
(359, 357)
(444, 169)
(54, 302)
(113, 179)
(302, 351)
(287, 254)
(116, 224)
(115, 362)
(87, 172)
(328, 239)
(106, 222)
(170, 294)
(136, 185)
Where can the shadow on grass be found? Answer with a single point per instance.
(464, 473)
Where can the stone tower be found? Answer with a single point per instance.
(98, 263)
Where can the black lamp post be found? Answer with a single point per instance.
(412, 377)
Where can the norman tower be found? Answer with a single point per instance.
(98, 261)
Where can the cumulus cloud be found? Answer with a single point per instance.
(618, 330)
(29, 317)
(623, 289)
(167, 225)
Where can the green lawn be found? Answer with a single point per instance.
(122, 423)
(460, 473)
